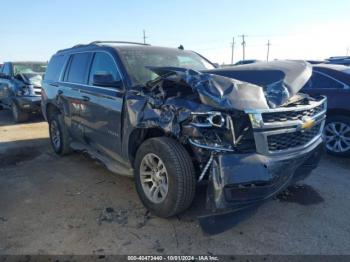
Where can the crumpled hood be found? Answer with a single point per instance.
(257, 86)
(280, 80)
(32, 79)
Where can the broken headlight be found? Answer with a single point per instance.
(212, 131)
(220, 131)
(25, 91)
(208, 119)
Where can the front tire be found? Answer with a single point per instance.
(59, 137)
(337, 135)
(19, 116)
(164, 176)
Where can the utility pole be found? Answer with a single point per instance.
(268, 50)
(144, 36)
(233, 48)
(243, 44)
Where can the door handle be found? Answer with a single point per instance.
(86, 98)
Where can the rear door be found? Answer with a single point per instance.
(69, 92)
(102, 109)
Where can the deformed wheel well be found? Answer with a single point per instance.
(138, 136)
(51, 109)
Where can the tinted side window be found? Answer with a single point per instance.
(78, 68)
(7, 69)
(102, 64)
(54, 68)
(321, 81)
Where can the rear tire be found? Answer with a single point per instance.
(19, 116)
(173, 165)
(59, 137)
(337, 135)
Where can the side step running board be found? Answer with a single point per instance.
(112, 165)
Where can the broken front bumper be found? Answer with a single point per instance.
(238, 181)
(29, 103)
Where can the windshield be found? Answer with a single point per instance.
(29, 68)
(137, 61)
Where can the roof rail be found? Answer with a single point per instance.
(117, 42)
(78, 45)
(101, 42)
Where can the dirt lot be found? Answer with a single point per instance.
(53, 205)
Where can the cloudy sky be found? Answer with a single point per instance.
(36, 29)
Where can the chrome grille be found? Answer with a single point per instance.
(288, 129)
(291, 115)
(286, 141)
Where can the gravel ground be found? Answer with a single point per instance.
(73, 205)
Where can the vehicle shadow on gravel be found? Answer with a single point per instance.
(13, 153)
(6, 118)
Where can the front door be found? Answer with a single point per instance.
(102, 108)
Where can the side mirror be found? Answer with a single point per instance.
(216, 65)
(106, 80)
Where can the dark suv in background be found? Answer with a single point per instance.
(171, 119)
(20, 88)
(333, 81)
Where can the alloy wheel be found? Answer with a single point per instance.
(337, 137)
(154, 178)
(55, 134)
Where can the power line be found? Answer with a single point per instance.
(144, 37)
(243, 45)
(233, 48)
(268, 50)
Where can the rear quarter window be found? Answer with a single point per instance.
(55, 67)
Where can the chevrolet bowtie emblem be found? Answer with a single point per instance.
(307, 123)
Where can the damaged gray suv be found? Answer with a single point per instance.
(171, 119)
